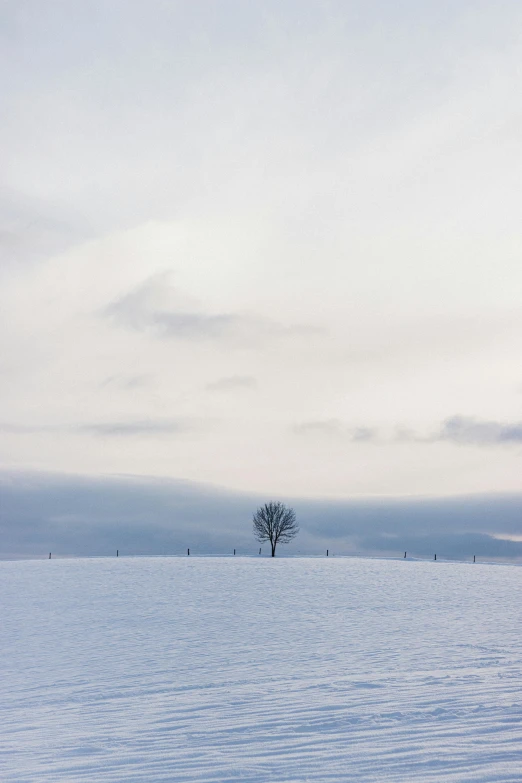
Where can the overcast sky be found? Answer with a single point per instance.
(272, 246)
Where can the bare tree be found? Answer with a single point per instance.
(276, 523)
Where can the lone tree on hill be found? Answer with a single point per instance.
(276, 523)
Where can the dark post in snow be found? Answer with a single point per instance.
(326, 553)
(117, 553)
(405, 555)
(259, 550)
(49, 555)
(435, 557)
(234, 551)
(473, 558)
(188, 552)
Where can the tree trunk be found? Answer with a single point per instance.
(273, 550)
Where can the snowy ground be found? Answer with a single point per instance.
(237, 669)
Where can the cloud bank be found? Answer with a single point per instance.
(95, 516)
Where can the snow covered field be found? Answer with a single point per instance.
(238, 669)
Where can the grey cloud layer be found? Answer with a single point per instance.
(458, 430)
(88, 516)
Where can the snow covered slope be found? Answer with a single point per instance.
(237, 669)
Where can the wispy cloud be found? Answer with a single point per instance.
(141, 428)
(231, 383)
(469, 431)
(30, 229)
(31, 429)
(158, 308)
(459, 430)
(337, 429)
(127, 382)
(465, 431)
(108, 429)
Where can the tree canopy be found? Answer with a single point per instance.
(276, 523)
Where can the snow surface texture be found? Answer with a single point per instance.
(237, 669)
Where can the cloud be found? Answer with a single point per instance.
(31, 429)
(232, 382)
(108, 429)
(326, 178)
(70, 514)
(156, 307)
(141, 428)
(459, 430)
(336, 428)
(469, 431)
(30, 229)
(127, 382)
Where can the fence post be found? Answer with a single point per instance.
(117, 553)
(259, 550)
(405, 554)
(188, 552)
(326, 553)
(49, 555)
(473, 558)
(435, 557)
(234, 551)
